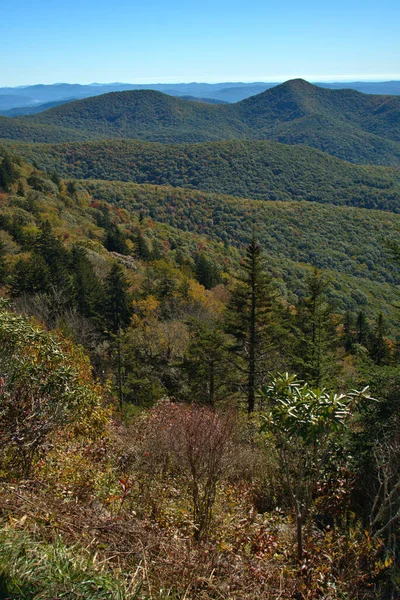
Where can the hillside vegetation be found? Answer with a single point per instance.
(179, 372)
(347, 243)
(18, 130)
(259, 170)
(253, 169)
(149, 402)
(350, 125)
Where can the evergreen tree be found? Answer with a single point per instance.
(30, 276)
(143, 249)
(313, 355)
(207, 272)
(117, 313)
(72, 188)
(86, 286)
(349, 331)
(377, 344)
(208, 364)
(116, 304)
(55, 255)
(115, 240)
(8, 174)
(248, 320)
(362, 328)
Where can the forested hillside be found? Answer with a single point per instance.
(145, 409)
(353, 126)
(259, 170)
(345, 239)
(18, 130)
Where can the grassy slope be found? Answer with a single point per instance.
(255, 169)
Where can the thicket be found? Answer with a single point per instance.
(184, 499)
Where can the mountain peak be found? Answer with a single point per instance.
(296, 84)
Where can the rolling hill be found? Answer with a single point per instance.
(255, 169)
(346, 243)
(361, 128)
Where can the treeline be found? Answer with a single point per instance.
(251, 169)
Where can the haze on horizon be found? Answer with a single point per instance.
(214, 41)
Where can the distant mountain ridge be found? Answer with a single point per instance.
(357, 127)
(32, 109)
(227, 91)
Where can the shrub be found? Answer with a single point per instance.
(192, 442)
(45, 382)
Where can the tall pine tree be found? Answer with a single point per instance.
(207, 363)
(116, 304)
(248, 321)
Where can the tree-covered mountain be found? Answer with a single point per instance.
(145, 114)
(347, 243)
(253, 169)
(353, 126)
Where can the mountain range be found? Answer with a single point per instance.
(356, 127)
(39, 95)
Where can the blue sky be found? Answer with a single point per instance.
(48, 41)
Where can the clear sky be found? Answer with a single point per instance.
(83, 41)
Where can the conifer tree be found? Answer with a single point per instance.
(116, 303)
(86, 286)
(378, 347)
(117, 312)
(56, 256)
(349, 331)
(143, 249)
(30, 276)
(115, 240)
(207, 363)
(362, 327)
(316, 336)
(206, 272)
(248, 320)
(8, 174)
